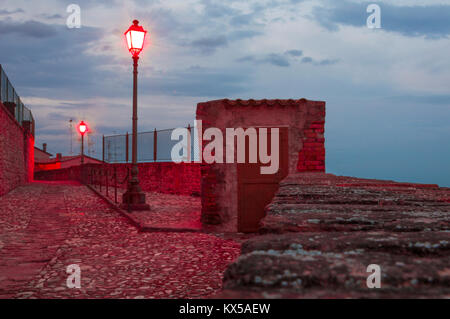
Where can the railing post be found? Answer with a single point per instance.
(103, 149)
(189, 144)
(127, 147)
(7, 90)
(155, 145)
(1, 84)
(115, 185)
(107, 183)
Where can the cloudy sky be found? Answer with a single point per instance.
(387, 90)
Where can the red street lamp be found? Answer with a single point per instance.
(134, 198)
(135, 36)
(82, 128)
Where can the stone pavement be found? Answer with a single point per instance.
(169, 212)
(322, 231)
(47, 226)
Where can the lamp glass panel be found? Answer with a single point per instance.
(137, 38)
(128, 35)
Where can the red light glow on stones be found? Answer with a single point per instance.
(135, 37)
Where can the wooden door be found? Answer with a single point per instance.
(256, 190)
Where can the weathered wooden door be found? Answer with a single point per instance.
(256, 190)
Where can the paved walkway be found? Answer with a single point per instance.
(47, 226)
(169, 212)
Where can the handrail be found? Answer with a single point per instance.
(99, 177)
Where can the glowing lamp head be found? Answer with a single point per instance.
(135, 37)
(82, 127)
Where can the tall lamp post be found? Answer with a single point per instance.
(82, 128)
(134, 198)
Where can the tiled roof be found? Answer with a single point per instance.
(37, 148)
(63, 159)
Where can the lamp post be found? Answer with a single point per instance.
(82, 128)
(134, 198)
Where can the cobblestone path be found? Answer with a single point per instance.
(45, 227)
(168, 210)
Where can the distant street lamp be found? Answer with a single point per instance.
(134, 198)
(82, 128)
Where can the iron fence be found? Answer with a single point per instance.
(9, 94)
(153, 146)
(105, 178)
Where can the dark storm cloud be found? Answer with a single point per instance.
(164, 23)
(8, 12)
(242, 19)
(53, 61)
(29, 28)
(208, 45)
(56, 116)
(247, 58)
(244, 34)
(277, 59)
(217, 9)
(207, 31)
(198, 82)
(295, 53)
(284, 60)
(52, 16)
(61, 66)
(323, 62)
(328, 61)
(431, 21)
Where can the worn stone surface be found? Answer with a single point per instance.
(47, 226)
(323, 231)
(324, 202)
(167, 211)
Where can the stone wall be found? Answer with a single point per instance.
(305, 120)
(67, 174)
(16, 152)
(168, 178)
(322, 232)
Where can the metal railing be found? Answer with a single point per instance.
(105, 178)
(153, 146)
(9, 94)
